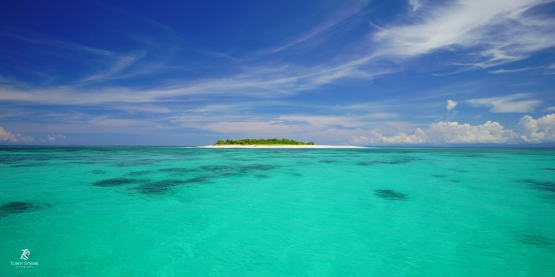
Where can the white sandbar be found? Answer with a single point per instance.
(279, 146)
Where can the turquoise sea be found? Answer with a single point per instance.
(177, 211)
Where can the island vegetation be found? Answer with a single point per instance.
(272, 141)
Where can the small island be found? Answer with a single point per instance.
(272, 141)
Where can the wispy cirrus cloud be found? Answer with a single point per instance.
(40, 39)
(261, 82)
(336, 19)
(500, 71)
(507, 104)
(490, 32)
(119, 65)
(415, 4)
(464, 24)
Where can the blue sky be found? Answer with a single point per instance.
(333, 72)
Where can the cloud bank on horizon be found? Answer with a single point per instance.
(355, 71)
(529, 130)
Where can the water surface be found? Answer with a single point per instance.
(175, 211)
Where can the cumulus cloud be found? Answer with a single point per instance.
(7, 136)
(52, 138)
(529, 130)
(537, 131)
(507, 104)
(451, 105)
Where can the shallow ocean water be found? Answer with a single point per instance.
(176, 211)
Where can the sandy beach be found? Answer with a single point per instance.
(280, 146)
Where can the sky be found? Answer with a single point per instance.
(410, 72)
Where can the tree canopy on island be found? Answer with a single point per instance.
(272, 141)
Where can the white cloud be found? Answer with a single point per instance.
(120, 64)
(7, 136)
(507, 104)
(251, 127)
(537, 131)
(55, 42)
(451, 105)
(48, 139)
(550, 109)
(52, 138)
(493, 31)
(529, 131)
(375, 137)
(453, 132)
(499, 71)
(415, 4)
(339, 17)
(337, 121)
(142, 108)
(281, 124)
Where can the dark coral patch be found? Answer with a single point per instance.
(259, 167)
(179, 169)
(96, 171)
(438, 175)
(29, 165)
(328, 161)
(215, 167)
(159, 187)
(17, 207)
(388, 194)
(261, 176)
(225, 171)
(459, 170)
(549, 168)
(135, 173)
(195, 180)
(82, 162)
(240, 168)
(164, 186)
(137, 162)
(114, 182)
(548, 186)
(402, 160)
(535, 240)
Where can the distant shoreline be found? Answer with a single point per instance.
(280, 146)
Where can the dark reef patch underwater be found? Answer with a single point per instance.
(163, 187)
(117, 182)
(535, 240)
(541, 185)
(17, 207)
(98, 171)
(389, 194)
(140, 172)
(396, 160)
